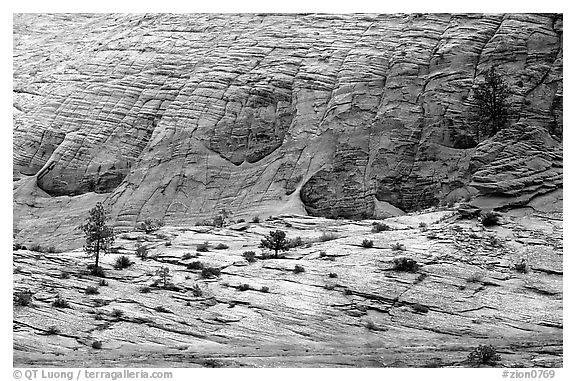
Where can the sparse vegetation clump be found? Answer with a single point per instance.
(196, 265)
(203, 247)
(298, 269)
(187, 256)
(295, 242)
(196, 291)
(91, 290)
(97, 345)
(99, 236)
(145, 289)
(97, 271)
(164, 274)
(490, 103)
(122, 262)
(244, 287)
(23, 298)
(116, 313)
(60, 302)
(378, 227)
(367, 243)
(371, 326)
(333, 275)
(265, 289)
(405, 264)
(151, 225)
(64, 275)
(52, 330)
(250, 256)
(475, 277)
(221, 246)
(420, 308)
(275, 241)
(36, 247)
(490, 219)
(162, 309)
(398, 246)
(423, 226)
(521, 267)
(484, 355)
(256, 219)
(210, 272)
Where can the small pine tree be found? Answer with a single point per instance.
(491, 103)
(276, 240)
(164, 274)
(99, 236)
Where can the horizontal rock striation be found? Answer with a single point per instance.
(333, 115)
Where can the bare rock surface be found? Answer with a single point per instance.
(358, 116)
(349, 307)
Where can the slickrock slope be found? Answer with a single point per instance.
(466, 293)
(178, 116)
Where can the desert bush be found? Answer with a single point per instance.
(250, 256)
(116, 313)
(97, 345)
(122, 262)
(52, 250)
(380, 227)
(348, 292)
(97, 271)
(209, 272)
(244, 287)
(60, 302)
(91, 290)
(23, 298)
(484, 354)
(196, 290)
(162, 309)
(371, 326)
(322, 254)
(256, 219)
(187, 256)
(52, 330)
(203, 247)
(18, 246)
(367, 243)
(333, 275)
(423, 226)
(327, 236)
(298, 269)
(64, 275)
(420, 308)
(276, 241)
(141, 251)
(103, 283)
(168, 243)
(145, 290)
(221, 246)
(151, 225)
(405, 264)
(196, 265)
(295, 242)
(489, 219)
(398, 246)
(521, 267)
(264, 289)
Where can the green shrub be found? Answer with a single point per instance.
(244, 287)
(209, 272)
(348, 292)
(60, 302)
(298, 269)
(141, 251)
(145, 290)
(23, 298)
(36, 247)
(484, 354)
(52, 250)
(333, 275)
(122, 262)
(91, 290)
(420, 308)
(151, 225)
(97, 345)
(371, 326)
(405, 264)
(64, 275)
(52, 330)
(196, 290)
(97, 271)
(196, 265)
(116, 313)
(164, 274)
(264, 289)
(398, 246)
(256, 219)
(380, 227)
(475, 277)
(250, 256)
(162, 309)
(521, 267)
(367, 243)
(295, 242)
(322, 254)
(221, 246)
(187, 256)
(490, 219)
(203, 247)
(103, 283)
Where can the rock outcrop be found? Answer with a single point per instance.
(179, 116)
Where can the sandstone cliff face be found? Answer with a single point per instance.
(333, 115)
